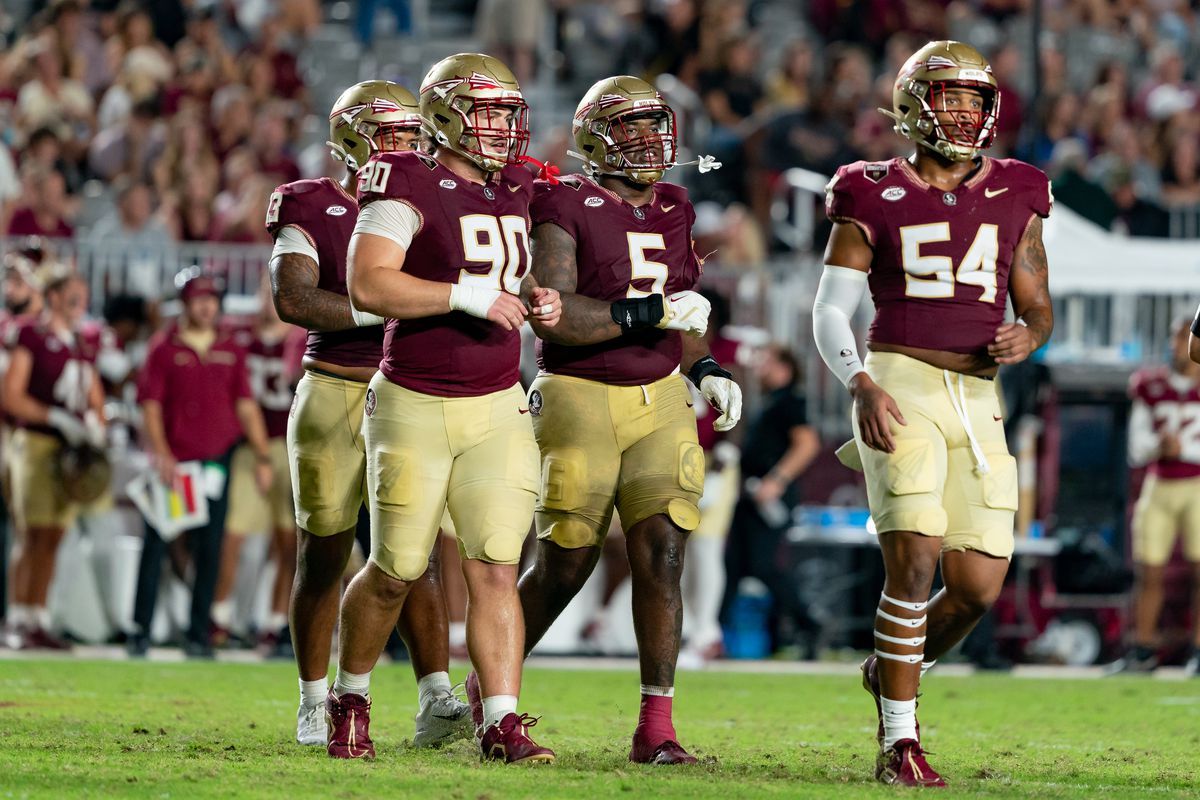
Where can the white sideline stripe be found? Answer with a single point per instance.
(912, 623)
(904, 603)
(160, 655)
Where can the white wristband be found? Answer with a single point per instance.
(838, 295)
(473, 300)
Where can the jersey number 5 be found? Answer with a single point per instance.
(934, 276)
(642, 268)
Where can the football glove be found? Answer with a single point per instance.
(71, 427)
(687, 312)
(719, 389)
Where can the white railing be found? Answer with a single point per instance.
(1183, 222)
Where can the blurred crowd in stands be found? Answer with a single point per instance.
(170, 121)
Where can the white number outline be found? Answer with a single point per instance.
(374, 177)
(642, 268)
(506, 238)
(977, 268)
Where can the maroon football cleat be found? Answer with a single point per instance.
(665, 752)
(41, 639)
(475, 700)
(509, 740)
(870, 682)
(904, 764)
(349, 720)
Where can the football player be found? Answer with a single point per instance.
(55, 399)
(612, 414)
(311, 221)
(441, 250)
(943, 239)
(1164, 437)
(266, 343)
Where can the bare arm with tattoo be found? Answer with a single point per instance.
(585, 320)
(1029, 287)
(298, 300)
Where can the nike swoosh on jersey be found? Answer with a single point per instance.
(997, 419)
(989, 193)
(668, 208)
(511, 188)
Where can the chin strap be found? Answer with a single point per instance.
(547, 172)
(703, 163)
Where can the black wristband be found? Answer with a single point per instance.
(704, 367)
(638, 312)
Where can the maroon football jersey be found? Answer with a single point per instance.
(939, 275)
(326, 214)
(1174, 403)
(621, 251)
(63, 368)
(469, 233)
(266, 363)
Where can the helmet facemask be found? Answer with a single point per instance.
(639, 154)
(954, 140)
(490, 143)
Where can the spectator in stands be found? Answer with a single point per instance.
(232, 116)
(131, 227)
(1135, 216)
(141, 79)
(197, 404)
(135, 33)
(78, 45)
(510, 29)
(132, 147)
(48, 99)
(1181, 172)
(191, 216)
(239, 221)
(10, 186)
(779, 446)
(44, 150)
(1123, 155)
(1075, 191)
(1166, 79)
(46, 212)
(203, 41)
(188, 155)
(666, 41)
(269, 143)
(790, 85)
(364, 23)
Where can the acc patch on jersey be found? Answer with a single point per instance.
(335, 211)
(893, 193)
(594, 202)
(446, 183)
(875, 172)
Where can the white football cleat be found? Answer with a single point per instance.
(442, 719)
(311, 726)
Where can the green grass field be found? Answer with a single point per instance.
(183, 730)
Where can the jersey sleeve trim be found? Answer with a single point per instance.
(294, 239)
(396, 220)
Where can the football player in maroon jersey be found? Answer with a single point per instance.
(55, 399)
(611, 411)
(311, 221)
(1164, 437)
(441, 249)
(942, 238)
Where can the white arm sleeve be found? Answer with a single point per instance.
(391, 219)
(292, 240)
(838, 294)
(1143, 441)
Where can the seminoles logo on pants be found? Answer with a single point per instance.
(370, 405)
(535, 403)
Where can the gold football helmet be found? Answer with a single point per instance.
(460, 96)
(611, 144)
(367, 119)
(919, 95)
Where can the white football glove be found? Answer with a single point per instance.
(687, 312)
(725, 396)
(95, 429)
(70, 426)
(473, 300)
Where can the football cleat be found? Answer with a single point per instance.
(1192, 668)
(443, 719)
(904, 764)
(508, 741)
(1133, 663)
(348, 719)
(870, 682)
(667, 752)
(475, 699)
(312, 726)
(41, 639)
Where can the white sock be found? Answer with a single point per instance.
(658, 691)
(313, 693)
(926, 666)
(222, 614)
(458, 634)
(899, 720)
(19, 616)
(432, 685)
(498, 707)
(350, 683)
(41, 617)
(276, 621)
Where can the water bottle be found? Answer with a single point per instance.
(774, 512)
